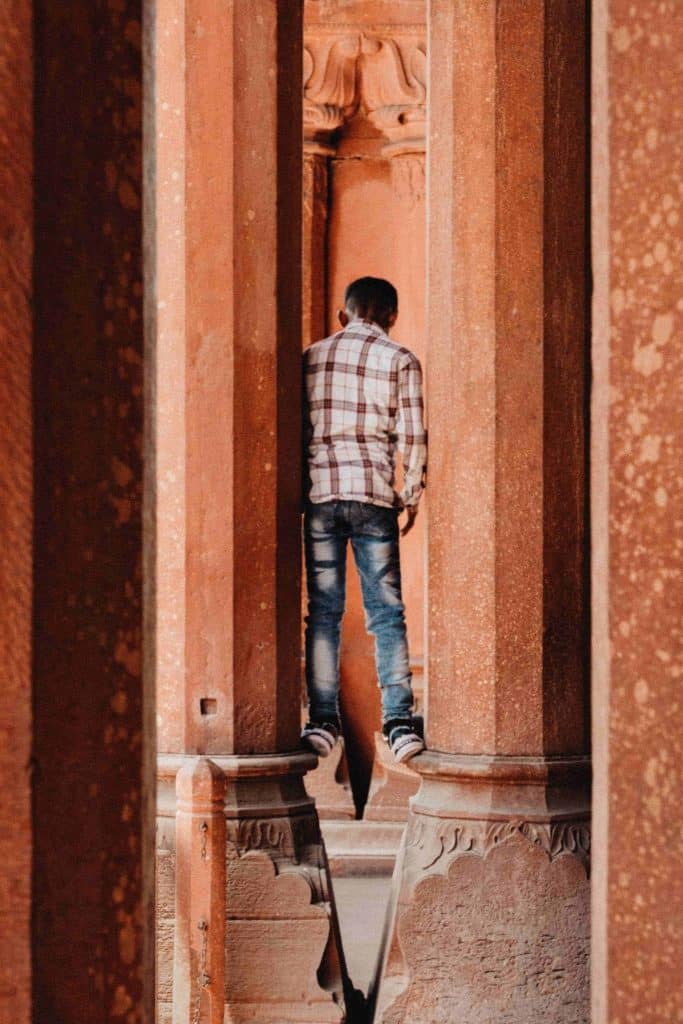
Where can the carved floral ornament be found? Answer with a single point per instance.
(383, 77)
(431, 847)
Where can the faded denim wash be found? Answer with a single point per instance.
(374, 535)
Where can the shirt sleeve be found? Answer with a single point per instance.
(306, 435)
(412, 436)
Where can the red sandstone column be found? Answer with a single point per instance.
(228, 249)
(93, 729)
(636, 511)
(392, 784)
(16, 250)
(236, 301)
(366, 77)
(328, 784)
(495, 854)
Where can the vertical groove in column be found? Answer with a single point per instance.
(520, 305)
(289, 287)
(566, 270)
(599, 453)
(165, 304)
(461, 373)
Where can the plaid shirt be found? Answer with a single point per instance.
(362, 399)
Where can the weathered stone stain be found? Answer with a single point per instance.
(89, 707)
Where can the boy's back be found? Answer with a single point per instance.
(363, 397)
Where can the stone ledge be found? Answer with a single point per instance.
(361, 847)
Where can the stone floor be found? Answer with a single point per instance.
(361, 903)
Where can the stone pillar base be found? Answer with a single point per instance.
(283, 957)
(329, 786)
(489, 916)
(391, 787)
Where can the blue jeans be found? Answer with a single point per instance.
(373, 532)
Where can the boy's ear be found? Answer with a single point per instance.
(343, 317)
(392, 319)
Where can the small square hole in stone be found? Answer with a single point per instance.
(208, 705)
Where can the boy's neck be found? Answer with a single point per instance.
(369, 322)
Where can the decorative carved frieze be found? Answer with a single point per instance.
(384, 76)
(330, 84)
(428, 846)
(281, 838)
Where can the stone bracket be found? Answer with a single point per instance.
(254, 913)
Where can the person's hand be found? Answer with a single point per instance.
(411, 516)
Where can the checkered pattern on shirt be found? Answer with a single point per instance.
(362, 400)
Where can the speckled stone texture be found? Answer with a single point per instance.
(92, 727)
(16, 242)
(636, 455)
(529, 966)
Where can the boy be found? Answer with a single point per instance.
(362, 398)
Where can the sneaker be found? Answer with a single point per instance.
(320, 737)
(403, 738)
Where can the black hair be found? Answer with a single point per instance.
(372, 298)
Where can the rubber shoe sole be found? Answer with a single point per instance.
(407, 746)
(319, 740)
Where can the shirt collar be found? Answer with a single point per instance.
(365, 323)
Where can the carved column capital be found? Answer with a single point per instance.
(471, 803)
(383, 73)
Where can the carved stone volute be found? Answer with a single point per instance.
(330, 89)
(383, 76)
(394, 90)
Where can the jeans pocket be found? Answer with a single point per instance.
(319, 517)
(378, 520)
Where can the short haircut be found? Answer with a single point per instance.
(372, 298)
